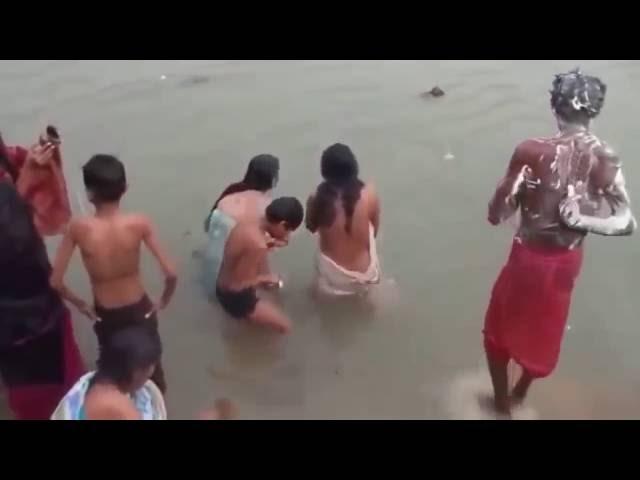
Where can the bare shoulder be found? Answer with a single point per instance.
(107, 404)
(80, 226)
(138, 221)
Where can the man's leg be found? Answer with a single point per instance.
(266, 313)
(500, 381)
(522, 387)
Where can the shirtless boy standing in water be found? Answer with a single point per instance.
(565, 186)
(110, 242)
(245, 253)
(346, 214)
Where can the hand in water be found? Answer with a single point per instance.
(224, 409)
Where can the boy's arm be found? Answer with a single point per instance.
(150, 238)
(60, 265)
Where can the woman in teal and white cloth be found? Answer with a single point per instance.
(121, 388)
(239, 202)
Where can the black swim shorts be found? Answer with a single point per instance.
(238, 304)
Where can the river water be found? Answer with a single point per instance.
(185, 129)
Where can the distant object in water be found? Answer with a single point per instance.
(163, 77)
(435, 92)
(194, 80)
(449, 156)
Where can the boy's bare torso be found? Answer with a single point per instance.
(110, 249)
(349, 249)
(244, 254)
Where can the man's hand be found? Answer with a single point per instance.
(41, 155)
(570, 206)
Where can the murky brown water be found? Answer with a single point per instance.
(185, 137)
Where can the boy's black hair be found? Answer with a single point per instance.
(126, 351)
(285, 209)
(105, 177)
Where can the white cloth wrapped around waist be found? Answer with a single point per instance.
(334, 279)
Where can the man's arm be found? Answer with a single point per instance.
(150, 238)
(60, 265)
(608, 183)
(505, 201)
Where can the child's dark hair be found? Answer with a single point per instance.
(262, 175)
(105, 177)
(339, 169)
(285, 209)
(128, 350)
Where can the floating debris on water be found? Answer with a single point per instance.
(449, 156)
(163, 77)
(435, 92)
(194, 80)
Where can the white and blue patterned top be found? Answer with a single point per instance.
(148, 401)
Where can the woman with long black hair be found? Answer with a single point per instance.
(243, 201)
(39, 358)
(345, 212)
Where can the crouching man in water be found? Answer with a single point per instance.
(245, 253)
(346, 214)
(565, 187)
(110, 242)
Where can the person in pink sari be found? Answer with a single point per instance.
(37, 173)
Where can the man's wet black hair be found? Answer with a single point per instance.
(339, 169)
(127, 351)
(577, 98)
(262, 175)
(285, 209)
(105, 177)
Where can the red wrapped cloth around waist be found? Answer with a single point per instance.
(529, 306)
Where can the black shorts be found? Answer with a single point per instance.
(113, 320)
(238, 304)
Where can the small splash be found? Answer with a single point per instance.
(449, 156)
(163, 77)
(468, 397)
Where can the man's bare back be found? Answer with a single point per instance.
(348, 248)
(551, 180)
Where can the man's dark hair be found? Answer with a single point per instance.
(285, 209)
(105, 177)
(128, 350)
(577, 98)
